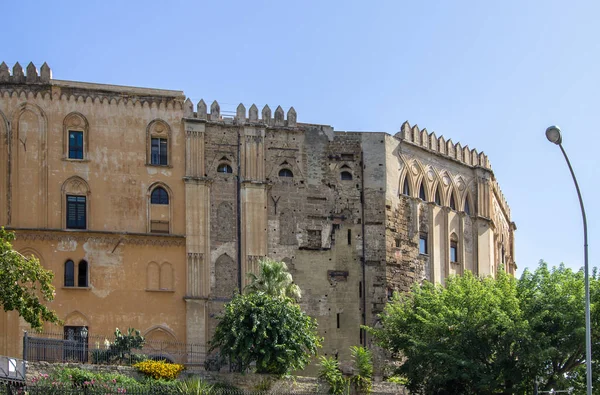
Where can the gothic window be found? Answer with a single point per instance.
(79, 272)
(159, 209)
(422, 192)
(452, 202)
(437, 199)
(423, 244)
(82, 274)
(76, 212)
(405, 188)
(69, 274)
(467, 208)
(75, 144)
(159, 196)
(224, 168)
(286, 173)
(346, 176)
(453, 251)
(158, 140)
(75, 195)
(75, 129)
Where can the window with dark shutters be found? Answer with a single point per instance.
(76, 212)
(69, 274)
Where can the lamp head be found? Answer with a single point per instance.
(553, 134)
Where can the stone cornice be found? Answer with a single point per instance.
(29, 234)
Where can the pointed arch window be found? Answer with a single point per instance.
(405, 187)
(286, 173)
(467, 208)
(436, 198)
(159, 196)
(159, 209)
(69, 274)
(82, 274)
(422, 192)
(452, 202)
(346, 176)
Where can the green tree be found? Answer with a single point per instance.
(271, 331)
(273, 279)
(23, 282)
(553, 302)
(486, 335)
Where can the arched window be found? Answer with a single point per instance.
(159, 196)
(467, 209)
(405, 187)
(82, 274)
(346, 176)
(437, 199)
(422, 192)
(224, 168)
(286, 173)
(452, 203)
(69, 273)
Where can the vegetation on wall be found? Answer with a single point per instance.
(273, 279)
(492, 335)
(24, 284)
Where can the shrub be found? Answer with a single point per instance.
(272, 332)
(194, 386)
(159, 369)
(363, 363)
(330, 372)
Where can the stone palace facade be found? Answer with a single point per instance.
(151, 211)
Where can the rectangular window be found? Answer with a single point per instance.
(349, 236)
(75, 346)
(76, 213)
(423, 244)
(158, 153)
(75, 144)
(338, 320)
(453, 251)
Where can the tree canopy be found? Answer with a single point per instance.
(491, 335)
(271, 331)
(23, 282)
(273, 279)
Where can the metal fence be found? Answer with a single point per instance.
(98, 349)
(12, 369)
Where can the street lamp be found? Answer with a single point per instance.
(554, 136)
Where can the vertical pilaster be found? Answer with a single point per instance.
(197, 209)
(253, 194)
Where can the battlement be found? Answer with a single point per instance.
(240, 114)
(18, 76)
(423, 138)
(500, 197)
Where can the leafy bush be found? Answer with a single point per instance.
(271, 331)
(159, 369)
(363, 363)
(330, 372)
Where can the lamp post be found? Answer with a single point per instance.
(554, 136)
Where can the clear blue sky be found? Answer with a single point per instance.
(492, 75)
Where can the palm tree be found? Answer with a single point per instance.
(273, 279)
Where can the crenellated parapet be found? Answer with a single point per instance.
(423, 138)
(242, 117)
(500, 198)
(28, 84)
(18, 76)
